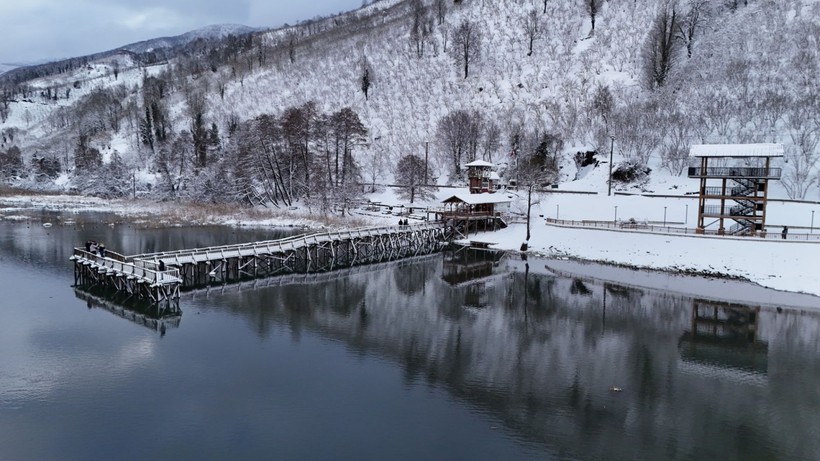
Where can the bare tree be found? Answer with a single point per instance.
(532, 27)
(661, 49)
(199, 136)
(367, 77)
(675, 147)
(536, 164)
(410, 173)
(459, 134)
(690, 24)
(802, 155)
(441, 10)
(466, 45)
(491, 140)
(593, 7)
(420, 27)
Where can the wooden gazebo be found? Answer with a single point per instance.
(734, 185)
(475, 211)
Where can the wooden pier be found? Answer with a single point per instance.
(160, 276)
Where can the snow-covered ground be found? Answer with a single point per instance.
(789, 265)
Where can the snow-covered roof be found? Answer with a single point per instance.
(478, 199)
(480, 163)
(736, 150)
(494, 176)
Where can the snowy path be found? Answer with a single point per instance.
(782, 265)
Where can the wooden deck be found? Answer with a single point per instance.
(159, 276)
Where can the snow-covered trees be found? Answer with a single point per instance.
(11, 162)
(301, 155)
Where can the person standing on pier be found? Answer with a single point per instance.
(101, 247)
(785, 232)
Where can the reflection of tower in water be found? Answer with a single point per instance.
(725, 335)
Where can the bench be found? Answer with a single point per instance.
(479, 244)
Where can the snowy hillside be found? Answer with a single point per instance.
(207, 33)
(751, 77)
(6, 67)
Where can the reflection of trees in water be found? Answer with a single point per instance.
(543, 355)
(295, 304)
(578, 287)
(411, 278)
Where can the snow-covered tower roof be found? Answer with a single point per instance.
(736, 150)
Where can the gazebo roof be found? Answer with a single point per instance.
(477, 199)
(736, 150)
(480, 163)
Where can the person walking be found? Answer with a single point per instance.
(785, 232)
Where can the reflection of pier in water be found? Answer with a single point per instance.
(303, 279)
(725, 335)
(157, 317)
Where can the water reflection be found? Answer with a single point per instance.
(473, 270)
(565, 364)
(725, 335)
(158, 317)
(582, 366)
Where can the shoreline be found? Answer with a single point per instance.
(780, 268)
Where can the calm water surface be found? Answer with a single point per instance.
(461, 356)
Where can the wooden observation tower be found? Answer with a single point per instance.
(734, 185)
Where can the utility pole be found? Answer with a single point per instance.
(426, 145)
(611, 149)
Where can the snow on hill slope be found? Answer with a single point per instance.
(741, 59)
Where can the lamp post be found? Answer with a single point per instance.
(811, 229)
(686, 216)
(557, 208)
(616, 214)
(664, 216)
(611, 149)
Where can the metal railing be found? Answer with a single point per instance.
(737, 191)
(644, 226)
(734, 172)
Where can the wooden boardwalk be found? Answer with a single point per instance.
(159, 276)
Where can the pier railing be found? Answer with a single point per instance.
(107, 263)
(151, 260)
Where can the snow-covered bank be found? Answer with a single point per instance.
(16, 207)
(782, 265)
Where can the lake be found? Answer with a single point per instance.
(461, 355)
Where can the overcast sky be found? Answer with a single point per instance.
(36, 30)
